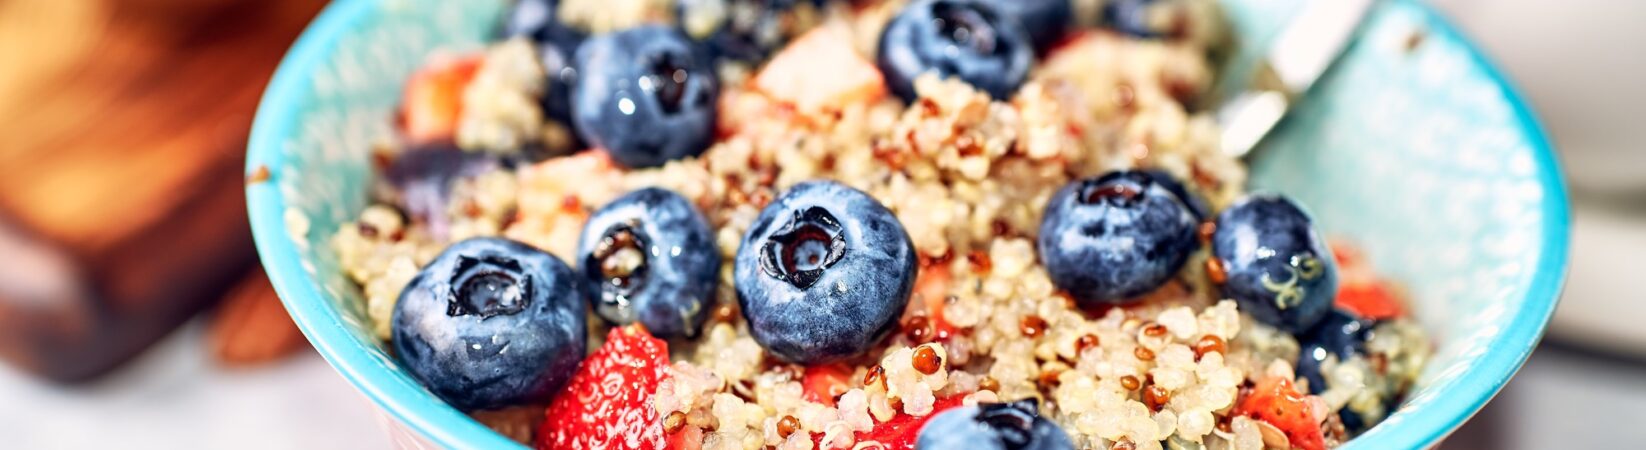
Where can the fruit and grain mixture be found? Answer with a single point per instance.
(804, 224)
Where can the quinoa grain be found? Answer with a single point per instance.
(1032, 326)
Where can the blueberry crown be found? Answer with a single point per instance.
(811, 242)
(1119, 189)
(666, 79)
(1012, 422)
(619, 261)
(488, 286)
(968, 26)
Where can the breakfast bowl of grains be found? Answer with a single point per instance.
(890, 224)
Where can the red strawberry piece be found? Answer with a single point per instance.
(901, 432)
(932, 285)
(1370, 300)
(608, 403)
(1346, 254)
(821, 383)
(688, 438)
(1360, 291)
(1276, 401)
(820, 70)
(433, 100)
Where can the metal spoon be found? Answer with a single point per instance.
(1308, 46)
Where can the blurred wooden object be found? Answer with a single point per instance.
(122, 133)
(251, 326)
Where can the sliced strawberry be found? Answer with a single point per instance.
(688, 438)
(932, 285)
(901, 432)
(821, 383)
(608, 403)
(433, 100)
(1369, 300)
(1360, 291)
(546, 186)
(1276, 401)
(821, 70)
(1346, 254)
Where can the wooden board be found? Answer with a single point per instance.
(122, 134)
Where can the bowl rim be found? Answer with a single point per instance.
(1491, 372)
(407, 402)
(410, 404)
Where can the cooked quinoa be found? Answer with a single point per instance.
(968, 178)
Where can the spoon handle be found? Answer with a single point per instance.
(1308, 46)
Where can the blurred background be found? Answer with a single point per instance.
(123, 124)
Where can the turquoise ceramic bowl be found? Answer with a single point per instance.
(1424, 154)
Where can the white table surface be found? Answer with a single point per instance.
(174, 398)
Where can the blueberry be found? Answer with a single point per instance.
(1132, 17)
(823, 273)
(490, 323)
(421, 179)
(1339, 333)
(538, 20)
(645, 95)
(1109, 239)
(1352, 421)
(1195, 203)
(966, 39)
(747, 30)
(1343, 335)
(1277, 268)
(1045, 20)
(652, 258)
(993, 426)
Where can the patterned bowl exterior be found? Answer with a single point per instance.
(1422, 153)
